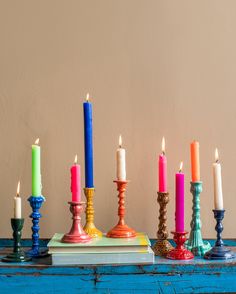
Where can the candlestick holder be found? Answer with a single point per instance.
(89, 227)
(180, 252)
(36, 203)
(219, 251)
(121, 230)
(195, 242)
(18, 254)
(162, 245)
(76, 234)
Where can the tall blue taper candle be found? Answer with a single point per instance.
(88, 143)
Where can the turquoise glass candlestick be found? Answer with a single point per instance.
(195, 242)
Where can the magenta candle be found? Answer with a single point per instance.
(75, 182)
(179, 198)
(162, 169)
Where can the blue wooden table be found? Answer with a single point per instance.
(164, 276)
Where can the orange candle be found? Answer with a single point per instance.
(195, 162)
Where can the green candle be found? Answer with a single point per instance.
(36, 173)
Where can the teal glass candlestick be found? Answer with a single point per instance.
(17, 255)
(195, 242)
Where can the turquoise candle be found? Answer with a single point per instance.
(36, 171)
(88, 143)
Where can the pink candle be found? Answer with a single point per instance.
(179, 198)
(163, 169)
(75, 181)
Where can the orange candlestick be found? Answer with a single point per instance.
(195, 162)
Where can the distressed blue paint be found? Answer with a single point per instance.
(164, 276)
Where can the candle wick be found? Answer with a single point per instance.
(163, 153)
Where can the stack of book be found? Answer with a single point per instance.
(102, 251)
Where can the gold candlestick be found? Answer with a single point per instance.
(162, 245)
(89, 227)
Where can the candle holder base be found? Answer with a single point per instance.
(89, 227)
(162, 245)
(38, 253)
(76, 234)
(180, 252)
(197, 246)
(18, 254)
(219, 251)
(195, 242)
(16, 257)
(36, 203)
(121, 230)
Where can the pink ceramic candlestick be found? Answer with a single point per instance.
(179, 204)
(162, 173)
(75, 182)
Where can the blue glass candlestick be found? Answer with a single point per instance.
(195, 242)
(219, 251)
(36, 203)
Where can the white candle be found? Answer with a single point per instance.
(17, 203)
(218, 196)
(120, 159)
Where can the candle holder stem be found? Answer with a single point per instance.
(219, 251)
(195, 242)
(121, 230)
(17, 255)
(162, 245)
(179, 252)
(76, 234)
(89, 227)
(36, 203)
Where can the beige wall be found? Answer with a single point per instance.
(153, 68)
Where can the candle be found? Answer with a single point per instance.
(179, 198)
(218, 196)
(195, 162)
(75, 181)
(163, 169)
(120, 159)
(88, 143)
(36, 172)
(17, 203)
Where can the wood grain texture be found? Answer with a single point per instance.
(164, 276)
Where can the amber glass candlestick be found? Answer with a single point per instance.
(89, 227)
(121, 230)
(162, 245)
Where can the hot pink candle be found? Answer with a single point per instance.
(179, 198)
(75, 181)
(162, 169)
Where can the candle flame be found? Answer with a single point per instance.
(87, 97)
(181, 166)
(120, 141)
(216, 155)
(18, 189)
(76, 159)
(36, 141)
(163, 145)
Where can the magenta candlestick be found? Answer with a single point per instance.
(179, 204)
